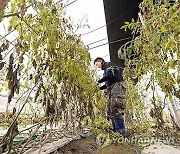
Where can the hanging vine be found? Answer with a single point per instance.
(49, 67)
(155, 52)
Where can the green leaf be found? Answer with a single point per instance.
(38, 58)
(172, 63)
(5, 85)
(132, 20)
(123, 27)
(163, 29)
(155, 40)
(14, 22)
(1, 89)
(26, 84)
(170, 44)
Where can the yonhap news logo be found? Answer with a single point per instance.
(102, 138)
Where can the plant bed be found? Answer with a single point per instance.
(89, 145)
(86, 145)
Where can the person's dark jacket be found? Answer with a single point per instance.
(112, 74)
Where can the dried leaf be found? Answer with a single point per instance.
(23, 9)
(1, 57)
(11, 60)
(1, 65)
(4, 46)
(34, 64)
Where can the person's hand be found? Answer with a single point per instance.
(105, 90)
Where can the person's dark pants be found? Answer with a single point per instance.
(119, 125)
(116, 107)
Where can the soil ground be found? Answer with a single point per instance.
(84, 146)
(88, 145)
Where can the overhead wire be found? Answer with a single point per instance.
(106, 38)
(17, 14)
(110, 21)
(105, 56)
(119, 40)
(4, 37)
(96, 28)
(70, 3)
(97, 41)
(109, 43)
(36, 15)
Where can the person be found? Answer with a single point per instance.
(115, 88)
